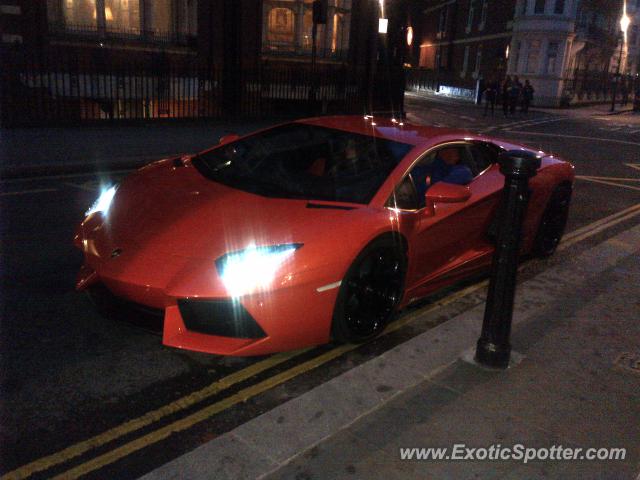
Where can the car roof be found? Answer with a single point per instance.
(386, 127)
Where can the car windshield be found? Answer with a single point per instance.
(304, 161)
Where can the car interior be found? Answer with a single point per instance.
(478, 156)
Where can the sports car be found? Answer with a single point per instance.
(315, 230)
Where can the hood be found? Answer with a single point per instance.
(165, 209)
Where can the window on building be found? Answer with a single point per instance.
(483, 14)
(533, 56)
(80, 14)
(470, 17)
(288, 28)
(465, 62)
(552, 55)
(525, 4)
(516, 56)
(122, 16)
(476, 70)
(157, 20)
(280, 26)
(559, 7)
(442, 22)
(633, 38)
(539, 6)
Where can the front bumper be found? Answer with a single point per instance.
(273, 321)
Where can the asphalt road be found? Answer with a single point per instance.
(77, 389)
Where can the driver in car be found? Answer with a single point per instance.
(446, 167)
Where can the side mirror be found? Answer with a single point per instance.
(443, 192)
(232, 137)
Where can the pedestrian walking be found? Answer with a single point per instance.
(514, 94)
(506, 87)
(527, 96)
(490, 95)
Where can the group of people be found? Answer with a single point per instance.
(512, 93)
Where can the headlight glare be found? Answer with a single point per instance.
(103, 202)
(253, 268)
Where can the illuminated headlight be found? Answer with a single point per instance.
(103, 202)
(253, 268)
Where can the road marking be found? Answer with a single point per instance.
(26, 192)
(604, 182)
(524, 123)
(249, 392)
(153, 416)
(620, 179)
(242, 396)
(599, 226)
(574, 136)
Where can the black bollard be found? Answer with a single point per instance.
(493, 348)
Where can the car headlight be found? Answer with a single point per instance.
(103, 202)
(253, 268)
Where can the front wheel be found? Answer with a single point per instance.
(553, 223)
(370, 291)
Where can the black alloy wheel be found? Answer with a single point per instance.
(370, 291)
(553, 223)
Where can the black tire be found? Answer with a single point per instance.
(370, 291)
(553, 222)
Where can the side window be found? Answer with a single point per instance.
(483, 156)
(404, 196)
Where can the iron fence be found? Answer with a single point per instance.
(593, 86)
(64, 89)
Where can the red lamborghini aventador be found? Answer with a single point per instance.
(316, 229)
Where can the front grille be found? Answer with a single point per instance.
(138, 315)
(225, 318)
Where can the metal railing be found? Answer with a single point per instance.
(92, 32)
(38, 89)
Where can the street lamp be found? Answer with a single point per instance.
(624, 25)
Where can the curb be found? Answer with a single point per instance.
(265, 444)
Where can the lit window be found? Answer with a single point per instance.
(159, 17)
(280, 25)
(122, 16)
(80, 13)
(155, 20)
(288, 28)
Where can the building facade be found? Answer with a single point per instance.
(112, 59)
(567, 49)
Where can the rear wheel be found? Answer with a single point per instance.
(370, 291)
(553, 223)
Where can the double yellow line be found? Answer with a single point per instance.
(247, 393)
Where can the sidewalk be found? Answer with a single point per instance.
(578, 111)
(49, 151)
(590, 110)
(576, 325)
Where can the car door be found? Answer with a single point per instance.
(453, 242)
